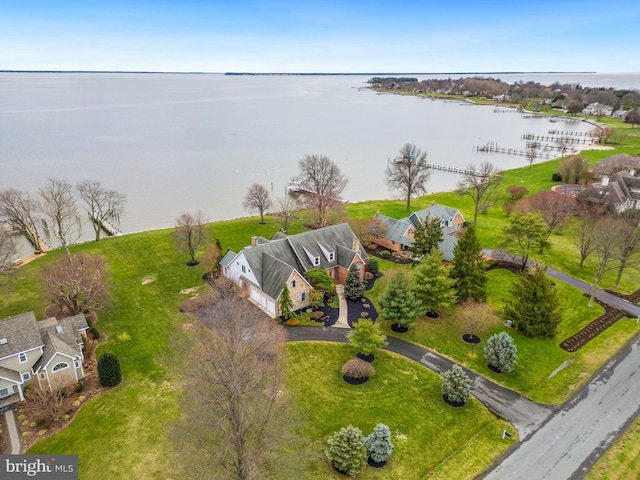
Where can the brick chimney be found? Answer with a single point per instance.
(355, 246)
(254, 241)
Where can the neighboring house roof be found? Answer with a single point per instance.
(273, 262)
(9, 374)
(398, 228)
(228, 258)
(21, 333)
(616, 163)
(618, 189)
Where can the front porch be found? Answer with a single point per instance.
(8, 402)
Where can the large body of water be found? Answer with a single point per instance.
(180, 142)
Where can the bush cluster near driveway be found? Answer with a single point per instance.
(450, 443)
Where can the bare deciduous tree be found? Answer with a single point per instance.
(58, 206)
(190, 233)
(480, 185)
(366, 229)
(408, 173)
(50, 403)
(606, 244)
(584, 233)
(604, 133)
(211, 258)
(564, 145)
(257, 199)
(628, 252)
(286, 206)
(532, 152)
(556, 208)
(7, 249)
(235, 412)
(321, 175)
(78, 285)
(20, 211)
(102, 205)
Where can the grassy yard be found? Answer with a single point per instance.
(537, 358)
(449, 442)
(622, 460)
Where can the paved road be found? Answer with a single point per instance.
(571, 441)
(524, 414)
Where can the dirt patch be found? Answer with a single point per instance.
(597, 147)
(187, 291)
(147, 281)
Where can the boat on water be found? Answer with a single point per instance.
(297, 187)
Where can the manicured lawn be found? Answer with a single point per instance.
(538, 358)
(430, 437)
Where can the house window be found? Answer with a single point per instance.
(393, 242)
(76, 363)
(26, 376)
(244, 269)
(22, 357)
(59, 366)
(331, 256)
(43, 376)
(304, 296)
(316, 261)
(6, 391)
(293, 284)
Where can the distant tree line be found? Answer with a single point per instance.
(570, 96)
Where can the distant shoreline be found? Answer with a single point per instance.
(304, 73)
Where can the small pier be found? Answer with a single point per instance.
(542, 138)
(495, 148)
(571, 134)
(108, 227)
(451, 168)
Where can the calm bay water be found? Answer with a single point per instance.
(178, 143)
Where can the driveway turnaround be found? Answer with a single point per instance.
(524, 414)
(572, 440)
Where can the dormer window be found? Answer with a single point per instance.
(22, 357)
(316, 261)
(332, 256)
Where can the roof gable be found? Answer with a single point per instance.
(21, 333)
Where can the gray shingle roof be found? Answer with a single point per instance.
(10, 374)
(21, 332)
(228, 257)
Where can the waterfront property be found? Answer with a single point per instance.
(49, 351)
(620, 190)
(400, 234)
(263, 269)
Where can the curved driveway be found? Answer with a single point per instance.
(524, 414)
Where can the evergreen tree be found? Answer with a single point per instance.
(456, 385)
(347, 450)
(373, 266)
(433, 287)
(533, 306)
(379, 443)
(320, 280)
(427, 237)
(399, 303)
(366, 336)
(286, 304)
(109, 372)
(524, 234)
(500, 352)
(468, 268)
(354, 287)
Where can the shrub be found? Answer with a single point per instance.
(379, 443)
(292, 322)
(516, 191)
(366, 336)
(456, 385)
(500, 352)
(109, 372)
(94, 333)
(354, 287)
(356, 368)
(385, 254)
(556, 177)
(368, 276)
(316, 298)
(347, 450)
(373, 266)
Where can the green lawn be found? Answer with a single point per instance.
(448, 442)
(622, 460)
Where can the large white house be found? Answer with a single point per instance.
(263, 269)
(49, 351)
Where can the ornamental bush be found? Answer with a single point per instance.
(379, 443)
(385, 254)
(354, 287)
(109, 372)
(356, 368)
(366, 336)
(373, 265)
(501, 353)
(347, 450)
(456, 385)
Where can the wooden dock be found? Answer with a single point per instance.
(571, 134)
(108, 227)
(549, 138)
(451, 168)
(495, 148)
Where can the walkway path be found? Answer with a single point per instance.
(12, 429)
(524, 414)
(342, 321)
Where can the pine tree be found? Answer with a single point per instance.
(427, 237)
(399, 303)
(433, 287)
(285, 303)
(456, 385)
(379, 443)
(468, 268)
(354, 287)
(501, 353)
(533, 306)
(347, 450)
(366, 336)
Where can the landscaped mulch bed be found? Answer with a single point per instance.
(632, 297)
(355, 308)
(395, 258)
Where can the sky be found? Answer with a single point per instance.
(325, 37)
